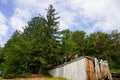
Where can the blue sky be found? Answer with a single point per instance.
(87, 15)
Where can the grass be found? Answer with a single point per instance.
(39, 78)
(115, 70)
(0, 78)
(36, 77)
(54, 78)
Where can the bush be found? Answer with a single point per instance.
(9, 76)
(26, 74)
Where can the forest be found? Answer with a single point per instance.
(42, 46)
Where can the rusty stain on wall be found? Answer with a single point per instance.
(90, 69)
(97, 70)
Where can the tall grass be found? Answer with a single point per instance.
(54, 78)
(40, 78)
(0, 78)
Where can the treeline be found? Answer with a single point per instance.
(42, 46)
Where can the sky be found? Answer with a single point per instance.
(87, 15)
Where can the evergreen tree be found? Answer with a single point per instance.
(14, 56)
(68, 45)
(79, 38)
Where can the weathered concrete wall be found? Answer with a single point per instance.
(84, 68)
(75, 70)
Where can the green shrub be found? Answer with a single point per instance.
(10, 76)
(26, 74)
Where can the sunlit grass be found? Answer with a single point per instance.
(55, 78)
(41, 78)
(0, 78)
(114, 70)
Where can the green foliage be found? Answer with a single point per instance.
(35, 50)
(78, 38)
(1, 55)
(68, 44)
(14, 63)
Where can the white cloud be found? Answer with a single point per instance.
(67, 20)
(104, 14)
(2, 42)
(2, 18)
(17, 23)
(3, 28)
(25, 10)
(90, 15)
(19, 18)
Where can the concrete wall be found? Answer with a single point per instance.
(75, 70)
(84, 68)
